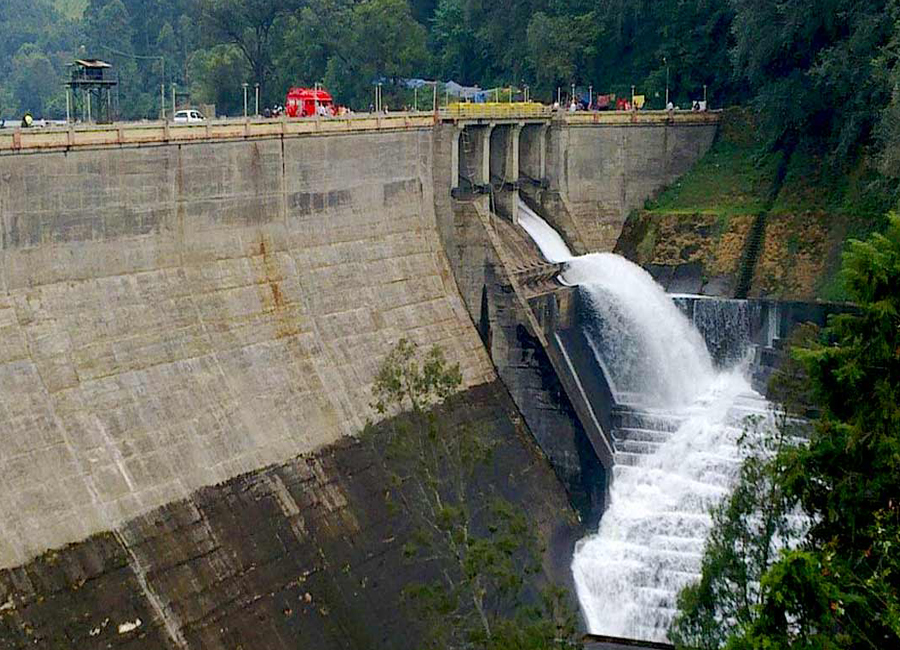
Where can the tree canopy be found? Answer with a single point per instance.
(839, 586)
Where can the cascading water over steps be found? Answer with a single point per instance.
(675, 427)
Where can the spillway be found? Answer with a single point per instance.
(676, 424)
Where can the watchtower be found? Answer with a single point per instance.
(90, 87)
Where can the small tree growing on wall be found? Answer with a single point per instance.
(477, 544)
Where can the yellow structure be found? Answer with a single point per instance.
(500, 110)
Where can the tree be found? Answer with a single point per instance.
(840, 587)
(385, 43)
(560, 48)
(478, 543)
(815, 64)
(249, 25)
(456, 44)
(34, 83)
(216, 76)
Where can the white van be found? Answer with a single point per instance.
(188, 116)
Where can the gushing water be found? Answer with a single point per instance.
(676, 428)
(552, 246)
(648, 346)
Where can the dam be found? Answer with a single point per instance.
(194, 315)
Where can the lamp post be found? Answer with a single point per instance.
(526, 94)
(257, 98)
(416, 99)
(572, 98)
(632, 98)
(704, 96)
(244, 86)
(173, 101)
(590, 96)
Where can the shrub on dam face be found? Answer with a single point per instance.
(481, 554)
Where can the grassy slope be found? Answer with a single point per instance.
(816, 210)
(733, 178)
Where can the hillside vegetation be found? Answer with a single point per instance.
(811, 207)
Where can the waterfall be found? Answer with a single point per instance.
(676, 426)
(552, 246)
(727, 325)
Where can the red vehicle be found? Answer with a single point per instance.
(305, 102)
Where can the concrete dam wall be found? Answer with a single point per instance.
(176, 315)
(181, 315)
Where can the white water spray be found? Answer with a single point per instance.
(676, 442)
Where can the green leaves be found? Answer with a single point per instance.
(478, 546)
(840, 587)
(405, 381)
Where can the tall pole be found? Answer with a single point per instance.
(416, 99)
(590, 96)
(90, 114)
(257, 100)
(704, 95)
(244, 86)
(68, 107)
(572, 99)
(558, 95)
(434, 98)
(632, 98)
(162, 86)
(174, 103)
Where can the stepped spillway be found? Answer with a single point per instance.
(676, 427)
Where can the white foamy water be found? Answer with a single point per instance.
(552, 246)
(647, 345)
(650, 540)
(675, 435)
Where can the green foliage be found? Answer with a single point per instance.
(810, 66)
(748, 529)
(840, 587)
(405, 380)
(254, 27)
(384, 43)
(479, 544)
(217, 73)
(735, 178)
(559, 46)
(456, 44)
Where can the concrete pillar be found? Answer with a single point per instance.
(486, 155)
(533, 151)
(512, 171)
(542, 147)
(454, 170)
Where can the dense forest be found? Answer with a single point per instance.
(820, 68)
(820, 78)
